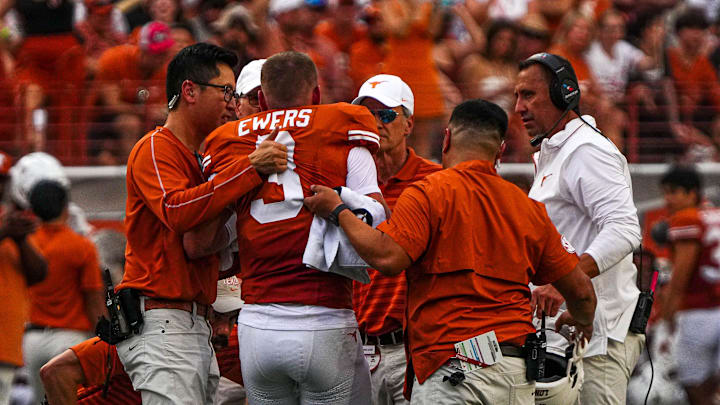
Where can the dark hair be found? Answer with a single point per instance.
(496, 27)
(685, 177)
(549, 74)
(691, 18)
(636, 29)
(48, 199)
(480, 115)
(198, 63)
(182, 25)
(286, 77)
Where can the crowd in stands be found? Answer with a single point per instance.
(83, 79)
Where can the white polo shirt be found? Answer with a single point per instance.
(585, 184)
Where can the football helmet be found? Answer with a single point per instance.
(563, 376)
(29, 170)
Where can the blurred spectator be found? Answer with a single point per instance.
(533, 36)
(236, 31)
(695, 80)
(506, 9)
(167, 12)
(492, 74)
(208, 12)
(411, 28)
(366, 55)
(21, 265)
(342, 27)
(50, 66)
(611, 59)
(182, 36)
(97, 32)
(129, 83)
(66, 305)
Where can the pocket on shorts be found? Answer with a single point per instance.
(522, 394)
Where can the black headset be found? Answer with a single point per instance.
(564, 89)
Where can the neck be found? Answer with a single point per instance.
(607, 46)
(178, 123)
(454, 159)
(389, 163)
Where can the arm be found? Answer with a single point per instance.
(595, 181)
(377, 249)
(18, 226)
(686, 254)
(210, 237)
(577, 289)
(61, 377)
(94, 305)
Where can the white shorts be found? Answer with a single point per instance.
(697, 351)
(388, 379)
(303, 366)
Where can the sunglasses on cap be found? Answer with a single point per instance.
(386, 115)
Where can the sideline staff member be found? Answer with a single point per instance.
(471, 242)
(584, 182)
(171, 360)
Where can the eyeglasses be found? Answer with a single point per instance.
(386, 116)
(228, 91)
(252, 98)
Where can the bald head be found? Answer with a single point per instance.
(478, 126)
(288, 79)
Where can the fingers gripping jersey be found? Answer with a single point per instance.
(703, 226)
(273, 224)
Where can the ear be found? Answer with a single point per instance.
(262, 101)
(500, 153)
(409, 125)
(188, 92)
(316, 95)
(446, 141)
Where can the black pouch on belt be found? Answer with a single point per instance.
(535, 348)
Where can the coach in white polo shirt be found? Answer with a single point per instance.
(585, 184)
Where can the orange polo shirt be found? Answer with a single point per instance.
(13, 294)
(73, 269)
(167, 196)
(476, 242)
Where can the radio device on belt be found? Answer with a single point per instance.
(124, 311)
(535, 349)
(640, 317)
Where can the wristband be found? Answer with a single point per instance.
(333, 217)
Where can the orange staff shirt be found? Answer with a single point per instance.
(476, 242)
(13, 294)
(73, 269)
(168, 196)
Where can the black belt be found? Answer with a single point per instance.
(512, 351)
(32, 326)
(390, 338)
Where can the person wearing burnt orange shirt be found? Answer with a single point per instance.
(167, 197)
(21, 265)
(66, 305)
(380, 305)
(471, 242)
(692, 304)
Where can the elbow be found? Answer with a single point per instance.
(388, 266)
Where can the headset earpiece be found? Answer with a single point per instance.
(564, 89)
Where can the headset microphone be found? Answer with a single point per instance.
(535, 141)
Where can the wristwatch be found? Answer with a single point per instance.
(333, 217)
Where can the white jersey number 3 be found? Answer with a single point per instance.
(289, 181)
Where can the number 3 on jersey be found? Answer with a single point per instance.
(291, 205)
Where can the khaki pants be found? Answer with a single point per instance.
(607, 376)
(501, 384)
(7, 373)
(388, 378)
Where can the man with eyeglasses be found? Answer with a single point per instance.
(380, 305)
(169, 358)
(248, 86)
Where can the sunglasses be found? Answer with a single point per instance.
(386, 116)
(252, 98)
(228, 91)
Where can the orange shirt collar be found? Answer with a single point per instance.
(484, 166)
(409, 169)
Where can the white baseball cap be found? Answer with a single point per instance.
(249, 77)
(228, 295)
(389, 90)
(282, 6)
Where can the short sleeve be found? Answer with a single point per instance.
(410, 226)
(362, 129)
(685, 225)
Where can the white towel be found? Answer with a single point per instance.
(328, 248)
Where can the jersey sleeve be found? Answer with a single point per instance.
(361, 128)
(90, 276)
(410, 226)
(223, 147)
(557, 258)
(685, 225)
(166, 189)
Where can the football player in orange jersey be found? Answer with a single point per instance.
(693, 299)
(298, 333)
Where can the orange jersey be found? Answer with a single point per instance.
(13, 293)
(273, 225)
(380, 305)
(121, 65)
(168, 196)
(476, 242)
(73, 269)
(703, 226)
(695, 81)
